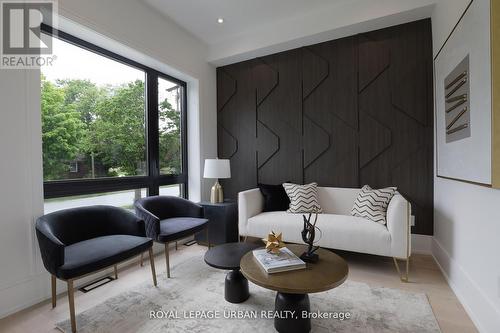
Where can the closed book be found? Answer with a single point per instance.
(283, 261)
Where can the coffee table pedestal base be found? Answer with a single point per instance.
(236, 287)
(292, 302)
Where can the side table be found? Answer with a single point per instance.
(222, 225)
(227, 256)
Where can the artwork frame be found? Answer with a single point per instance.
(467, 130)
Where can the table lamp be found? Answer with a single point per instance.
(218, 169)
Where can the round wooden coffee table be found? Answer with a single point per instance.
(293, 287)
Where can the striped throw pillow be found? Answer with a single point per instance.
(303, 198)
(372, 204)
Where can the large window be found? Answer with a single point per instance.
(110, 126)
(93, 116)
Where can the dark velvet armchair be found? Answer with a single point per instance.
(79, 241)
(169, 219)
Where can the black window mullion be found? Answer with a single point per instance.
(153, 138)
(66, 188)
(171, 179)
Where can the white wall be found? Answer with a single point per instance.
(21, 198)
(338, 20)
(467, 246)
(467, 220)
(127, 26)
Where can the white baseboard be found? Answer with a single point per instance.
(480, 309)
(24, 294)
(421, 244)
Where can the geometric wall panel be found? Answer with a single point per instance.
(330, 103)
(374, 57)
(395, 107)
(344, 113)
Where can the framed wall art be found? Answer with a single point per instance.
(467, 97)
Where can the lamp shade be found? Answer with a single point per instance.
(215, 168)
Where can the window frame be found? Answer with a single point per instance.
(152, 180)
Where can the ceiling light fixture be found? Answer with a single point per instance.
(220, 20)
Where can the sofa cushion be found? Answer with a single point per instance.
(97, 253)
(372, 204)
(341, 232)
(179, 227)
(303, 198)
(275, 197)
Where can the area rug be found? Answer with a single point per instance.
(193, 301)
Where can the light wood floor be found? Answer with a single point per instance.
(425, 277)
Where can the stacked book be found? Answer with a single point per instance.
(283, 261)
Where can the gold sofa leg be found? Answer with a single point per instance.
(71, 300)
(152, 262)
(115, 268)
(167, 260)
(53, 285)
(403, 278)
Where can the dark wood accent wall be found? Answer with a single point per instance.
(344, 113)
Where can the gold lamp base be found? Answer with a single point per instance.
(216, 194)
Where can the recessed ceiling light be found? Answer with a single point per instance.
(220, 20)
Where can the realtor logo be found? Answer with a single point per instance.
(22, 43)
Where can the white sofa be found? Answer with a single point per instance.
(340, 230)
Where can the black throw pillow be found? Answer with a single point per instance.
(275, 197)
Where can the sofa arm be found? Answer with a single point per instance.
(398, 223)
(250, 203)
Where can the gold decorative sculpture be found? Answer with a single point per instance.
(274, 242)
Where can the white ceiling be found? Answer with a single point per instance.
(255, 28)
(240, 16)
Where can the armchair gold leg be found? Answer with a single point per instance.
(71, 300)
(115, 267)
(175, 245)
(167, 260)
(403, 278)
(53, 287)
(152, 262)
(142, 259)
